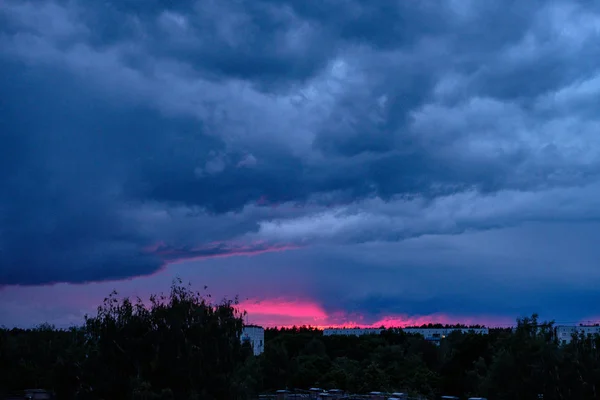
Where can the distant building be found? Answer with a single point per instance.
(430, 334)
(437, 334)
(352, 331)
(565, 333)
(255, 336)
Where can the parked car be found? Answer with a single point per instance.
(29, 394)
(38, 394)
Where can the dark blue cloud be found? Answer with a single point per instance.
(556, 303)
(213, 128)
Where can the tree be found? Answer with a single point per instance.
(180, 343)
(181, 347)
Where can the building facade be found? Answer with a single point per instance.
(255, 336)
(435, 334)
(564, 333)
(431, 334)
(352, 331)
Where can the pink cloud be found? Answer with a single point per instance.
(590, 321)
(283, 307)
(287, 313)
(399, 321)
(281, 312)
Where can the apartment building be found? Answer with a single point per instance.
(431, 334)
(352, 331)
(255, 336)
(564, 333)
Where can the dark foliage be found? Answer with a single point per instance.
(176, 347)
(182, 347)
(505, 364)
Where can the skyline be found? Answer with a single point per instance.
(334, 163)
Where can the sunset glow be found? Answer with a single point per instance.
(287, 313)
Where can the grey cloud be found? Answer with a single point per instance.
(402, 218)
(540, 267)
(125, 126)
(265, 43)
(558, 305)
(492, 275)
(547, 268)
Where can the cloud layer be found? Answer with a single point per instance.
(135, 136)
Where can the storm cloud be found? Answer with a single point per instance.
(135, 135)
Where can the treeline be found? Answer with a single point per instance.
(181, 346)
(178, 346)
(504, 365)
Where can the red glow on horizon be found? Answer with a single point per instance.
(588, 321)
(281, 312)
(285, 313)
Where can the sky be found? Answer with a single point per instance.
(339, 162)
